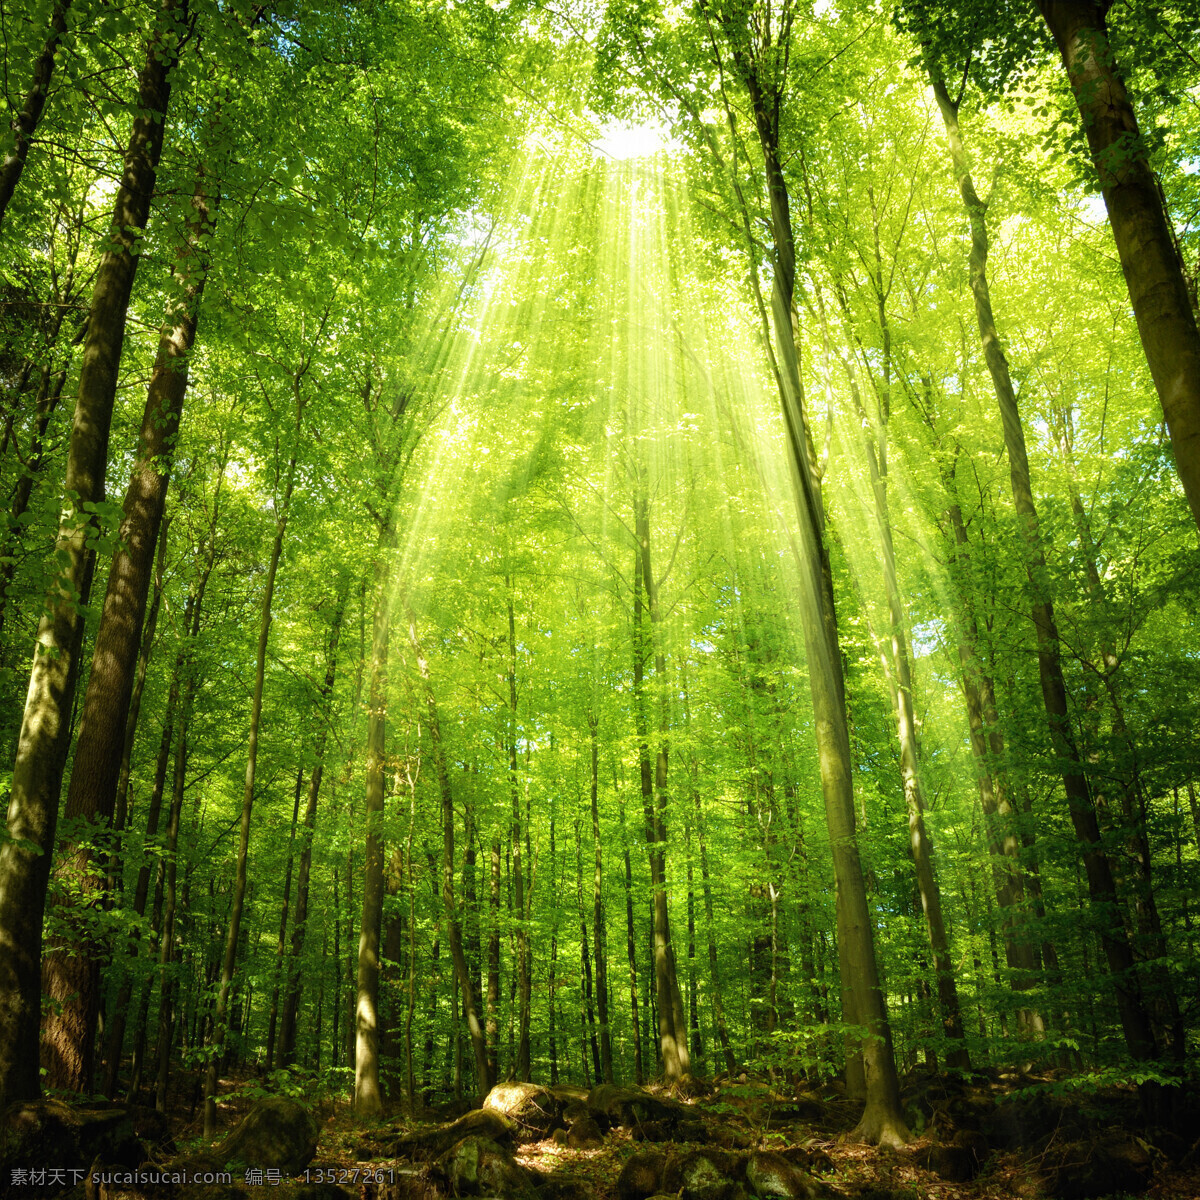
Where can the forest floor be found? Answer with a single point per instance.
(990, 1138)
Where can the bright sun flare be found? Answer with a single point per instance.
(631, 141)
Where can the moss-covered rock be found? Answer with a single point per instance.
(276, 1134)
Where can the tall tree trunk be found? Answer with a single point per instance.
(599, 923)
(1150, 261)
(49, 394)
(25, 123)
(883, 1119)
(167, 981)
(284, 907)
(121, 807)
(484, 1082)
(1161, 998)
(116, 1030)
(45, 728)
(672, 1029)
(368, 1096)
(175, 729)
(229, 960)
(587, 1007)
(71, 972)
(524, 953)
(293, 975)
(1002, 822)
(1139, 1035)
(714, 974)
(493, 961)
(639, 1070)
(874, 428)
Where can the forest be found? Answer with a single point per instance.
(600, 599)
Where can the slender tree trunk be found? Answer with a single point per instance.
(284, 907)
(493, 962)
(293, 975)
(599, 923)
(883, 1120)
(116, 1031)
(175, 730)
(672, 1029)
(874, 436)
(1139, 1035)
(367, 1092)
(587, 1006)
(639, 1071)
(524, 950)
(714, 974)
(71, 972)
(25, 123)
(695, 1039)
(1001, 819)
(49, 394)
(229, 961)
(484, 1081)
(1154, 273)
(121, 808)
(368, 1096)
(167, 981)
(45, 729)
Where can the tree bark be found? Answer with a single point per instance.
(874, 430)
(863, 998)
(284, 908)
(672, 1028)
(45, 727)
(484, 1082)
(714, 974)
(229, 961)
(524, 950)
(368, 1096)
(1139, 1035)
(293, 976)
(49, 394)
(25, 123)
(1141, 228)
(639, 1070)
(599, 923)
(71, 972)
(1001, 819)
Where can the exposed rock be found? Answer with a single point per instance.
(277, 1134)
(702, 1175)
(955, 1164)
(584, 1133)
(477, 1166)
(612, 1106)
(569, 1093)
(770, 1174)
(152, 1128)
(1111, 1162)
(428, 1144)
(809, 1158)
(654, 1131)
(535, 1110)
(641, 1175)
(49, 1133)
